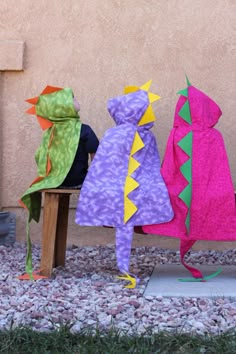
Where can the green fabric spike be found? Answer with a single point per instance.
(29, 263)
(187, 221)
(188, 82)
(186, 195)
(186, 144)
(183, 92)
(201, 279)
(213, 275)
(186, 170)
(185, 113)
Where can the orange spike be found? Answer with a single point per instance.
(36, 180)
(22, 204)
(44, 123)
(49, 166)
(50, 89)
(33, 100)
(31, 110)
(51, 137)
(35, 276)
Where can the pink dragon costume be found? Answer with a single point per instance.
(124, 187)
(197, 174)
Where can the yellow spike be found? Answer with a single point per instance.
(137, 144)
(146, 86)
(153, 97)
(130, 89)
(130, 185)
(133, 165)
(132, 284)
(129, 209)
(148, 116)
(132, 280)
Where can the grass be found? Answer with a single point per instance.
(24, 340)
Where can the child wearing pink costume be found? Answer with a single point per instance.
(197, 174)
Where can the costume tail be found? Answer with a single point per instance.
(124, 237)
(185, 246)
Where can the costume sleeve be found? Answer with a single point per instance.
(89, 138)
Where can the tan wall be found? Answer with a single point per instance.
(97, 47)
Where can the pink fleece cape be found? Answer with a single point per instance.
(212, 210)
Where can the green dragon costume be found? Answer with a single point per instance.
(56, 114)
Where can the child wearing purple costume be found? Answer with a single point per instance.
(124, 187)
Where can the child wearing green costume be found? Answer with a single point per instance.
(62, 157)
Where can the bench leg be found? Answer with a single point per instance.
(50, 214)
(61, 235)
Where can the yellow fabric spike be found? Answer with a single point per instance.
(133, 281)
(130, 89)
(146, 86)
(133, 165)
(130, 185)
(148, 116)
(137, 144)
(153, 97)
(130, 209)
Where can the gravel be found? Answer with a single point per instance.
(86, 294)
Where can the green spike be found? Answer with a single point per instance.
(186, 170)
(187, 221)
(183, 92)
(213, 275)
(185, 113)
(186, 195)
(188, 82)
(202, 279)
(186, 144)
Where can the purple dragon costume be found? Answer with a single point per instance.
(124, 187)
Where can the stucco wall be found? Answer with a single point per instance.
(97, 47)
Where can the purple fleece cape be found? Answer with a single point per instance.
(102, 199)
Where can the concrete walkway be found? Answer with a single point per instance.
(164, 282)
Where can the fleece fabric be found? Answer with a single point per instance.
(124, 187)
(196, 171)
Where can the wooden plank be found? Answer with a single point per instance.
(61, 191)
(61, 234)
(55, 224)
(50, 214)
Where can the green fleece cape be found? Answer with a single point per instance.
(57, 116)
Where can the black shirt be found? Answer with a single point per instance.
(88, 144)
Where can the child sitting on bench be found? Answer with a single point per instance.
(62, 157)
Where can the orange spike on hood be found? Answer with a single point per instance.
(33, 100)
(50, 89)
(31, 110)
(44, 123)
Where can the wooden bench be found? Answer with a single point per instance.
(55, 223)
